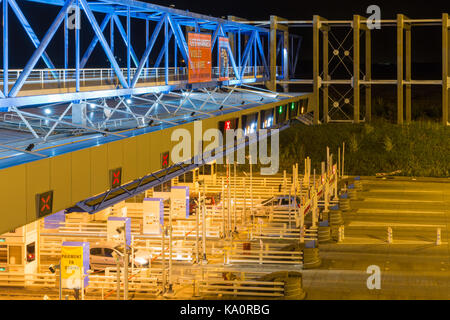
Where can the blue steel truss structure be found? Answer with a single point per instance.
(248, 57)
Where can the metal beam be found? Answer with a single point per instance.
(40, 50)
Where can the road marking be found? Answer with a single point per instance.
(393, 224)
(404, 191)
(401, 200)
(369, 241)
(391, 211)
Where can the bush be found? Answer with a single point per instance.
(420, 149)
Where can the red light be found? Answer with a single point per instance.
(44, 204)
(227, 125)
(116, 178)
(165, 160)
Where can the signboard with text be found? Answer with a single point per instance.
(200, 57)
(117, 228)
(224, 59)
(74, 264)
(179, 202)
(153, 215)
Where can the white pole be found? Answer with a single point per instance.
(390, 236)
(343, 160)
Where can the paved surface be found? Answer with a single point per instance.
(413, 267)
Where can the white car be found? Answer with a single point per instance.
(102, 256)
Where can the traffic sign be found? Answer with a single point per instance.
(115, 177)
(165, 160)
(44, 204)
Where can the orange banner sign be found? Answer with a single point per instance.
(200, 57)
(223, 59)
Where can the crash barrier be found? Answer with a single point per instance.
(344, 202)
(20, 279)
(311, 258)
(281, 233)
(278, 285)
(324, 234)
(336, 218)
(235, 288)
(142, 281)
(358, 184)
(264, 255)
(182, 251)
(352, 192)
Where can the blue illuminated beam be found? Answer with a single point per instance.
(40, 50)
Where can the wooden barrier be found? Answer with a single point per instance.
(257, 289)
(15, 279)
(264, 256)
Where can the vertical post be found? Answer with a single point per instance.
(368, 115)
(400, 40)
(147, 36)
(408, 72)
(251, 184)
(170, 251)
(128, 46)
(356, 68)
(325, 74)
(445, 68)
(166, 50)
(205, 261)
(77, 47)
(66, 43)
(286, 59)
(5, 49)
(316, 74)
(117, 277)
(272, 84)
(197, 232)
(111, 36)
(125, 265)
(234, 198)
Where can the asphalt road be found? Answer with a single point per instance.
(412, 267)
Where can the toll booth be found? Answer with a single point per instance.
(208, 173)
(231, 124)
(18, 250)
(281, 112)
(293, 110)
(163, 190)
(250, 123)
(189, 179)
(266, 119)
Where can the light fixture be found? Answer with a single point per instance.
(47, 111)
(192, 114)
(30, 147)
(128, 101)
(93, 106)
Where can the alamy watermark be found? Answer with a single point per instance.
(74, 18)
(218, 145)
(374, 281)
(374, 20)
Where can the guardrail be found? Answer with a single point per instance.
(259, 289)
(65, 78)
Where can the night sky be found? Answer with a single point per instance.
(426, 41)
